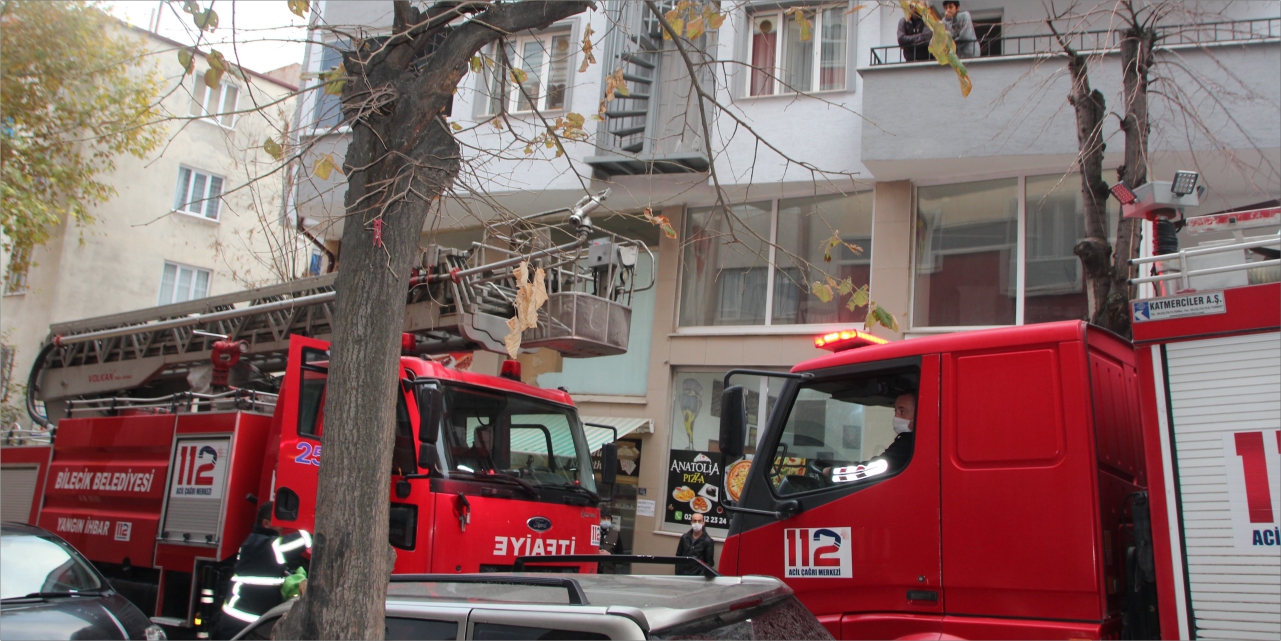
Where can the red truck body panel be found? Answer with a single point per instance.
(1028, 442)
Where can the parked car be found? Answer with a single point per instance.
(49, 591)
(587, 606)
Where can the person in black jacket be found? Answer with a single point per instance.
(265, 559)
(698, 544)
(899, 452)
(914, 38)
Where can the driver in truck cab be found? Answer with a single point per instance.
(900, 451)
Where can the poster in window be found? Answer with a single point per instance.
(696, 484)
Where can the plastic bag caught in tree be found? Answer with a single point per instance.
(530, 296)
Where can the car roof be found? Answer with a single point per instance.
(12, 527)
(653, 601)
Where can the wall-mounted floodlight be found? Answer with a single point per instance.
(1124, 194)
(1184, 182)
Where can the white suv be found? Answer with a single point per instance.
(588, 606)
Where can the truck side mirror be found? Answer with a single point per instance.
(431, 408)
(733, 421)
(609, 463)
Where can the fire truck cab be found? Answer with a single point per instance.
(1009, 516)
(485, 468)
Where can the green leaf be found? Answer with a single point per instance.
(187, 60)
(455, 126)
(273, 149)
(882, 317)
(206, 20)
(829, 244)
(476, 64)
(299, 7)
(334, 80)
(859, 297)
(823, 291)
(519, 75)
(846, 287)
(191, 6)
(576, 119)
(798, 13)
(213, 78)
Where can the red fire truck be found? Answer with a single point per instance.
(160, 457)
(1057, 483)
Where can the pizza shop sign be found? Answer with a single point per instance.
(695, 485)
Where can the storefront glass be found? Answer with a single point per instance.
(696, 470)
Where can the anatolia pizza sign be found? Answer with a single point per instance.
(1253, 461)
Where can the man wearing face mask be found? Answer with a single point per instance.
(900, 451)
(698, 544)
(609, 542)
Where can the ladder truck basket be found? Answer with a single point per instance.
(578, 324)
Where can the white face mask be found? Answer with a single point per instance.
(698, 527)
(902, 425)
(604, 525)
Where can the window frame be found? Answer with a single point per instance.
(777, 424)
(200, 108)
(768, 327)
(178, 267)
(205, 200)
(776, 77)
(511, 97)
(1020, 249)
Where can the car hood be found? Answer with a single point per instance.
(106, 617)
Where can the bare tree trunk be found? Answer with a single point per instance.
(401, 159)
(1095, 252)
(1136, 61)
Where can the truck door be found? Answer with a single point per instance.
(862, 553)
(301, 409)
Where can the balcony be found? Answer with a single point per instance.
(992, 44)
(1017, 118)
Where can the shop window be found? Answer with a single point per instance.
(968, 240)
(725, 278)
(696, 478)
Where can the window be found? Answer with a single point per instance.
(219, 105)
(696, 470)
(180, 283)
(34, 563)
(313, 373)
(15, 277)
(198, 193)
(501, 631)
(968, 238)
(785, 619)
(798, 64)
(841, 431)
(544, 63)
(729, 283)
(406, 628)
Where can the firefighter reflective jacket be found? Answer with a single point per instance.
(264, 561)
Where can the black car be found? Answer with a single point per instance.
(49, 591)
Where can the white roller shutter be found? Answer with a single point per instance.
(1220, 387)
(17, 491)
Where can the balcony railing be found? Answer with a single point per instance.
(1259, 29)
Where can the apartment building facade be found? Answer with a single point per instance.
(197, 217)
(964, 210)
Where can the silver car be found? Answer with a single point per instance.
(587, 606)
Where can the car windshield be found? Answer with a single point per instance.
(535, 441)
(31, 564)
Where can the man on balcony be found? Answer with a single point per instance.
(914, 38)
(961, 27)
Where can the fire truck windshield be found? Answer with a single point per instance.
(538, 442)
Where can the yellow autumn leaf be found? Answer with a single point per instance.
(187, 60)
(519, 75)
(273, 149)
(823, 291)
(695, 28)
(476, 64)
(299, 7)
(325, 166)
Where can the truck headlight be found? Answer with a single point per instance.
(155, 633)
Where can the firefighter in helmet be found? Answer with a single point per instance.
(266, 558)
